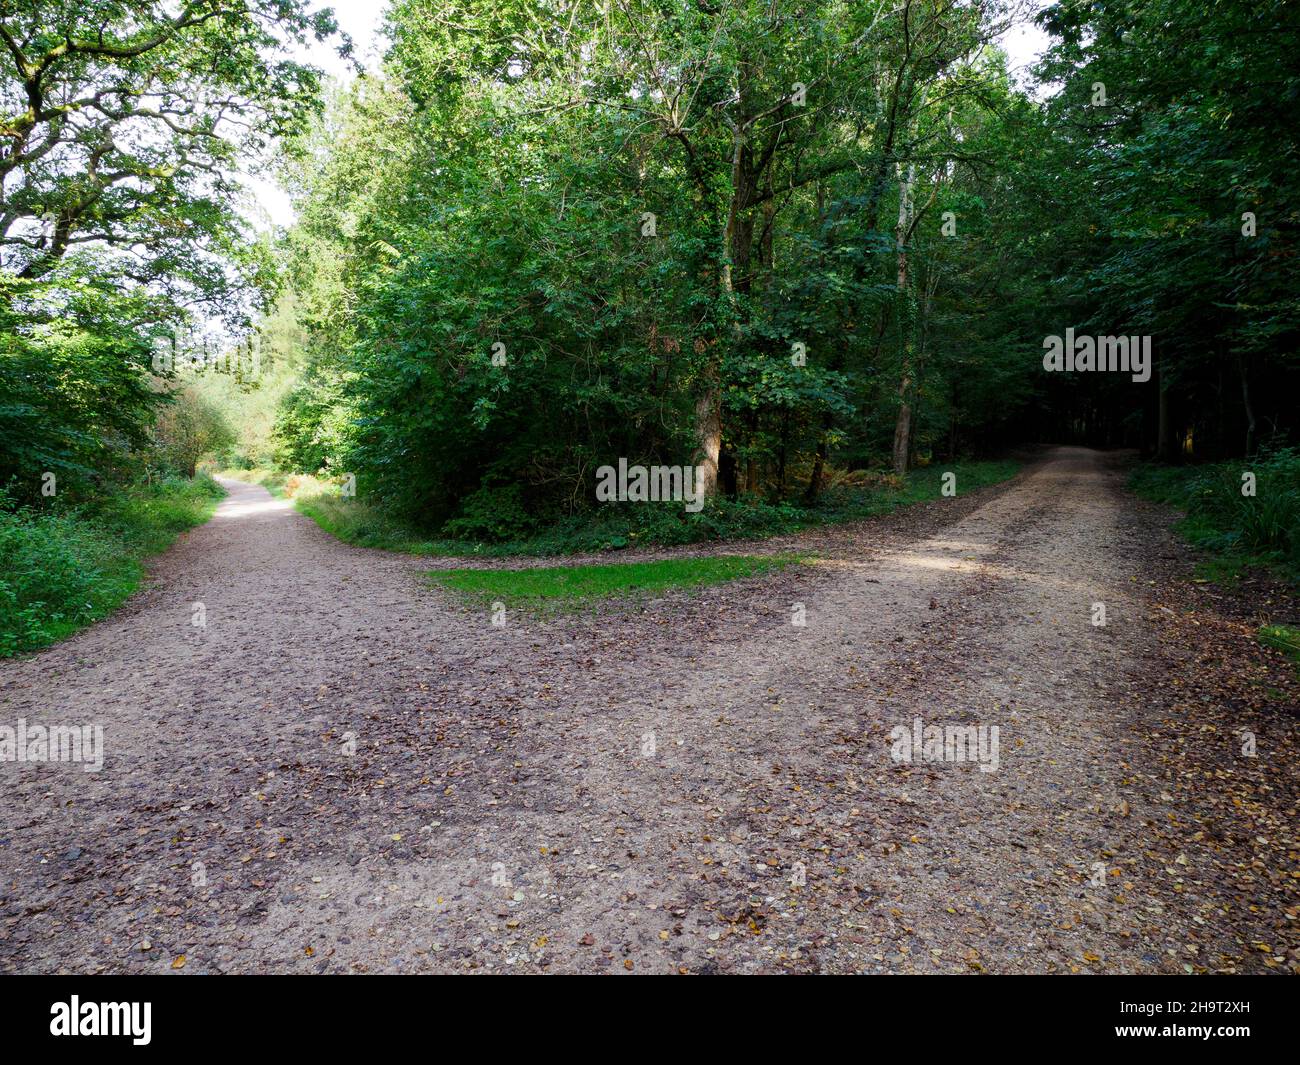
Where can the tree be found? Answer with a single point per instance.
(120, 126)
(188, 428)
(1174, 117)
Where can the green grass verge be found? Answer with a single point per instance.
(67, 565)
(1238, 532)
(1285, 638)
(616, 526)
(574, 586)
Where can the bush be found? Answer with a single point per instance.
(498, 524)
(187, 429)
(1262, 529)
(54, 568)
(67, 566)
(494, 513)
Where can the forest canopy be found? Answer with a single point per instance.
(121, 125)
(779, 241)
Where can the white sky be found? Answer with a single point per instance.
(360, 20)
(1024, 43)
(268, 204)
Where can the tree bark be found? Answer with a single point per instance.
(1162, 416)
(737, 240)
(1250, 409)
(708, 434)
(903, 425)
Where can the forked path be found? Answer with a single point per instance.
(342, 770)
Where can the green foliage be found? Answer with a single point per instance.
(1263, 529)
(75, 396)
(529, 240)
(250, 403)
(67, 566)
(1189, 234)
(1284, 638)
(188, 428)
(120, 119)
(578, 585)
(493, 513)
(121, 123)
(616, 526)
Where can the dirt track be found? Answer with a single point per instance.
(503, 808)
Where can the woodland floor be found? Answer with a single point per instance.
(499, 812)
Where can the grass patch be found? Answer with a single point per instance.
(1284, 638)
(1239, 532)
(68, 565)
(569, 586)
(613, 527)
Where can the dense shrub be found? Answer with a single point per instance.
(65, 566)
(1220, 518)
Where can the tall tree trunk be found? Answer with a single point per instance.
(1250, 410)
(1162, 416)
(903, 426)
(708, 433)
(879, 182)
(920, 332)
(827, 419)
(737, 240)
(902, 432)
(819, 465)
(781, 460)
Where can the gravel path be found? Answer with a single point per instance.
(345, 770)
